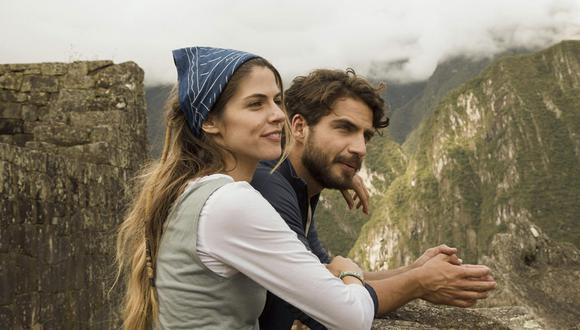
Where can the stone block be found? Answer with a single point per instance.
(53, 69)
(6, 318)
(77, 77)
(39, 98)
(12, 96)
(30, 112)
(7, 280)
(96, 66)
(10, 126)
(10, 110)
(33, 68)
(33, 235)
(39, 83)
(7, 139)
(18, 67)
(21, 139)
(73, 100)
(27, 309)
(27, 275)
(15, 236)
(28, 127)
(11, 81)
(62, 135)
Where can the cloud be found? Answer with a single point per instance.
(296, 36)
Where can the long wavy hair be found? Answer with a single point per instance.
(184, 158)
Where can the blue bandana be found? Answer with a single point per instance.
(203, 73)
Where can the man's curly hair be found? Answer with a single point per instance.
(313, 96)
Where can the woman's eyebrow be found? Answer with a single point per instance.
(256, 95)
(261, 96)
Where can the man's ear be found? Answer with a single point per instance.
(299, 128)
(209, 126)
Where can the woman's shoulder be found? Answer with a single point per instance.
(237, 203)
(236, 192)
(230, 189)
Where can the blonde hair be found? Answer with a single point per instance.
(184, 157)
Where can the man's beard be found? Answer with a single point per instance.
(319, 166)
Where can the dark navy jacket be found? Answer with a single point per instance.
(288, 195)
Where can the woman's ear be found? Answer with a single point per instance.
(299, 128)
(210, 126)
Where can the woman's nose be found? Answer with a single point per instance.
(278, 115)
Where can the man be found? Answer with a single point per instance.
(333, 114)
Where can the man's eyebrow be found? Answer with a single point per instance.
(343, 121)
(369, 133)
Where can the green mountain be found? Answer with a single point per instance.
(409, 104)
(497, 164)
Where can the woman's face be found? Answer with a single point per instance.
(252, 121)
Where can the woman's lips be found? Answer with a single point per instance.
(274, 136)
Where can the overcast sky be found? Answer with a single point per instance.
(296, 36)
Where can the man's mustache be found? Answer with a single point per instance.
(353, 161)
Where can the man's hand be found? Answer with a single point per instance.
(454, 285)
(360, 192)
(342, 264)
(434, 251)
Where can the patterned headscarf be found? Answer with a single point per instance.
(203, 73)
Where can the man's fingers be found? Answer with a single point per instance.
(470, 295)
(483, 278)
(347, 198)
(362, 192)
(454, 259)
(446, 249)
(365, 204)
(479, 286)
(475, 271)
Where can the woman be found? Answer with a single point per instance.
(200, 246)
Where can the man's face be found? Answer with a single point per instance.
(336, 145)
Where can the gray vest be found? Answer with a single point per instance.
(190, 295)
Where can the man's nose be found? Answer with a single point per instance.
(358, 146)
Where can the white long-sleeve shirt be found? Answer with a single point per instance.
(239, 231)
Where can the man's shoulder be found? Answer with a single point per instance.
(264, 174)
(273, 185)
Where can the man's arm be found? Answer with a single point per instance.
(437, 281)
(430, 253)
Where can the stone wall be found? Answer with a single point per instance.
(71, 137)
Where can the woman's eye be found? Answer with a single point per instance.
(278, 101)
(255, 104)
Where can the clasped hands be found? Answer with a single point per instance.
(445, 280)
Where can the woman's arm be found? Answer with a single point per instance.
(242, 230)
